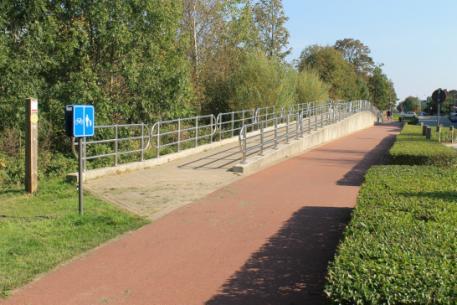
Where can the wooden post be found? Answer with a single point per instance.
(428, 133)
(31, 145)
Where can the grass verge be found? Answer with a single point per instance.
(39, 232)
(401, 244)
(411, 148)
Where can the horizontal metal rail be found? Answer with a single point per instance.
(292, 125)
(115, 141)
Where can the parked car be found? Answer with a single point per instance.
(410, 117)
(453, 117)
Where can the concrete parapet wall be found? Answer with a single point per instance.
(323, 135)
(132, 166)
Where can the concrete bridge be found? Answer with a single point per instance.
(155, 187)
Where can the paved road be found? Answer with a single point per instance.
(264, 239)
(432, 120)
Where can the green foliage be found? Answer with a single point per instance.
(382, 92)
(310, 87)
(411, 103)
(332, 69)
(356, 53)
(270, 20)
(401, 244)
(122, 56)
(411, 148)
(39, 232)
(261, 81)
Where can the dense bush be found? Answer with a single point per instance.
(401, 245)
(411, 148)
(310, 87)
(262, 81)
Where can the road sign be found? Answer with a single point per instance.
(439, 96)
(83, 121)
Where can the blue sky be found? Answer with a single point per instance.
(415, 40)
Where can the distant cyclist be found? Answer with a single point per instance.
(389, 115)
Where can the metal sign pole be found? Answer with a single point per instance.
(439, 114)
(80, 176)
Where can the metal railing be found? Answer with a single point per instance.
(229, 123)
(115, 141)
(183, 132)
(271, 125)
(292, 125)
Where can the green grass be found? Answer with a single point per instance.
(401, 244)
(412, 148)
(39, 232)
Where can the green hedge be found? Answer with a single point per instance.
(411, 148)
(401, 245)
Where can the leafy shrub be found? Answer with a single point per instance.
(261, 81)
(310, 87)
(401, 245)
(411, 148)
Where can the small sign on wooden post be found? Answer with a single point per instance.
(31, 145)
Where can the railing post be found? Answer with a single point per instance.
(158, 139)
(142, 141)
(179, 134)
(276, 132)
(287, 129)
(261, 138)
(212, 125)
(219, 124)
(233, 124)
(196, 131)
(116, 144)
(322, 117)
(315, 118)
(244, 145)
(309, 122)
(301, 124)
(296, 126)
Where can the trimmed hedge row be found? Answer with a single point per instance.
(401, 245)
(411, 148)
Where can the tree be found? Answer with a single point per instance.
(358, 54)
(332, 69)
(270, 19)
(125, 57)
(411, 103)
(382, 92)
(220, 32)
(262, 81)
(310, 88)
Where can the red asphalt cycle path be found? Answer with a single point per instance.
(265, 239)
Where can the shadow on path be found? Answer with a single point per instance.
(377, 155)
(290, 268)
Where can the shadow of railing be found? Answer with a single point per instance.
(376, 156)
(291, 267)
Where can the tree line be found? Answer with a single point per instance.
(413, 103)
(140, 61)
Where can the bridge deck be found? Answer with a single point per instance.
(156, 191)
